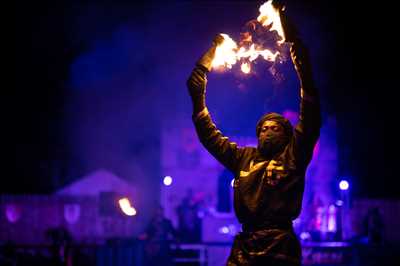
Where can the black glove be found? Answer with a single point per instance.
(197, 88)
(206, 60)
(302, 64)
(197, 83)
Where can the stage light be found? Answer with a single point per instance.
(224, 230)
(232, 182)
(167, 180)
(126, 207)
(305, 236)
(228, 229)
(339, 203)
(344, 185)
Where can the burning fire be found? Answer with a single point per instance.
(228, 53)
(269, 16)
(225, 54)
(246, 68)
(126, 207)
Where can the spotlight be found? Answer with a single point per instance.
(305, 236)
(339, 203)
(344, 185)
(224, 230)
(232, 182)
(167, 180)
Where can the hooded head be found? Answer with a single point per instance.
(273, 133)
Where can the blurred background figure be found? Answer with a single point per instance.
(373, 227)
(60, 248)
(189, 223)
(158, 236)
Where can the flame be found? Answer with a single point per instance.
(269, 16)
(228, 53)
(126, 207)
(252, 53)
(225, 54)
(268, 55)
(246, 68)
(247, 37)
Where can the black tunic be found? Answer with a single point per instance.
(267, 193)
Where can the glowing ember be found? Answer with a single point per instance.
(246, 68)
(228, 53)
(126, 207)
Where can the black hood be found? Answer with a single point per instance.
(277, 118)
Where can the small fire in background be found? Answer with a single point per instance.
(126, 207)
(229, 52)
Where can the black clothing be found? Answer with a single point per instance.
(265, 190)
(160, 232)
(265, 247)
(189, 227)
(268, 192)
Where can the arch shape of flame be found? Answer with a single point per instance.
(228, 53)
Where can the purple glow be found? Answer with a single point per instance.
(13, 213)
(224, 230)
(167, 180)
(344, 185)
(72, 213)
(339, 203)
(305, 235)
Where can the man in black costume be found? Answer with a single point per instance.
(269, 179)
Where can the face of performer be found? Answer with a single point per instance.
(272, 138)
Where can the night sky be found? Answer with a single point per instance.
(360, 56)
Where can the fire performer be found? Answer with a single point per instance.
(269, 179)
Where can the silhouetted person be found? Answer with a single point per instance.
(373, 226)
(158, 236)
(60, 246)
(269, 179)
(189, 224)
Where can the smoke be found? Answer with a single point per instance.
(129, 84)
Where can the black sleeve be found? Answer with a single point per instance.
(226, 152)
(307, 131)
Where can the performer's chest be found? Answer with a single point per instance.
(256, 174)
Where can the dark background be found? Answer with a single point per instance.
(362, 62)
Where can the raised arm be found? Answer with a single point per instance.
(226, 152)
(308, 129)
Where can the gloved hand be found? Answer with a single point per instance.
(302, 64)
(197, 83)
(197, 88)
(206, 60)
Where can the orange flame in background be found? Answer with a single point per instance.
(228, 53)
(126, 207)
